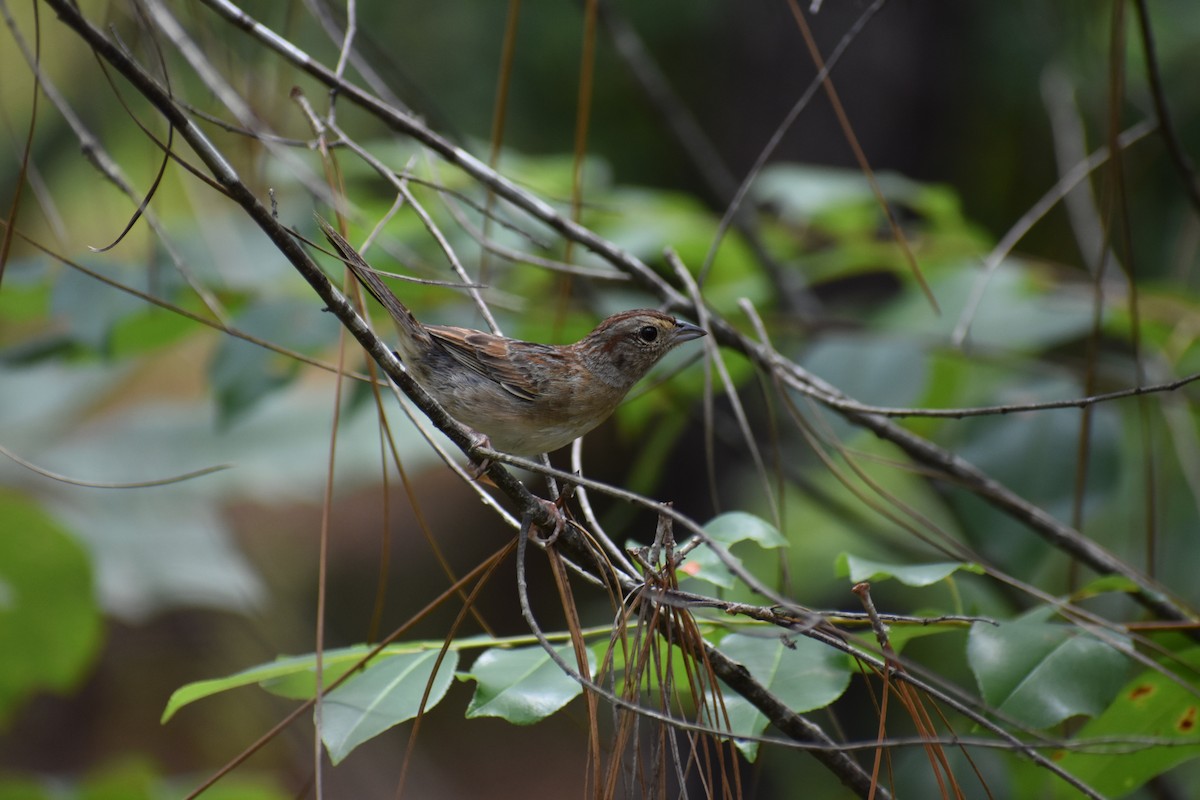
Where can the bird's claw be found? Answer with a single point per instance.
(554, 509)
(482, 465)
(557, 509)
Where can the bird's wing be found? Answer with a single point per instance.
(505, 361)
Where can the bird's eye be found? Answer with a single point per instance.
(648, 333)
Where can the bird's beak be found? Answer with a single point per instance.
(686, 331)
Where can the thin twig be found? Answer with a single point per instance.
(1030, 218)
(104, 163)
(990, 411)
(55, 476)
(401, 186)
(784, 126)
(703, 155)
(1183, 164)
(735, 675)
(1063, 536)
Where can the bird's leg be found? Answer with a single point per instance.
(557, 509)
(479, 465)
(560, 521)
(554, 508)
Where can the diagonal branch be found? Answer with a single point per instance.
(1150, 593)
(286, 243)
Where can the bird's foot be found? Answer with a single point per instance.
(479, 465)
(557, 510)
(554, 509)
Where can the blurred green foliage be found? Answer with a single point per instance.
(948, 104)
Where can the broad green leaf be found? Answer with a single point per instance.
(148, 329)
(242, 374)
(289, 676)
(728, 530)
(738, 526)
(387, 693)
(198, 690)
(651, 218)
(803, 191)
(1151, 706)
(801, 672)
(886, 370)
(89, 309)
(521, 685)
(1017, 312)
(300, 682)
(48, 615)
(158, 548)
(864, 569)
(1041, 673)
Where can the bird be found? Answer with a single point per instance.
(526, 398)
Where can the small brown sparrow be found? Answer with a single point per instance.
(526, 398)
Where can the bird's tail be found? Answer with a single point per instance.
(371, 282)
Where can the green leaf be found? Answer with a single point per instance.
(149, 329)
(1152, 705)
(198, 690)
(242, 374)
(728, 530)
(738, 526)
(803, 673)
(50, 626)
(289, 676)
(387, 693)
(651, 217)
(1042, 673)
(522, 685)
(889, 370)
(299, 682)
(1017, 311)
(152, 549)
(1104, 585)
(803, 191)
(864, 569)
(88, 309)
